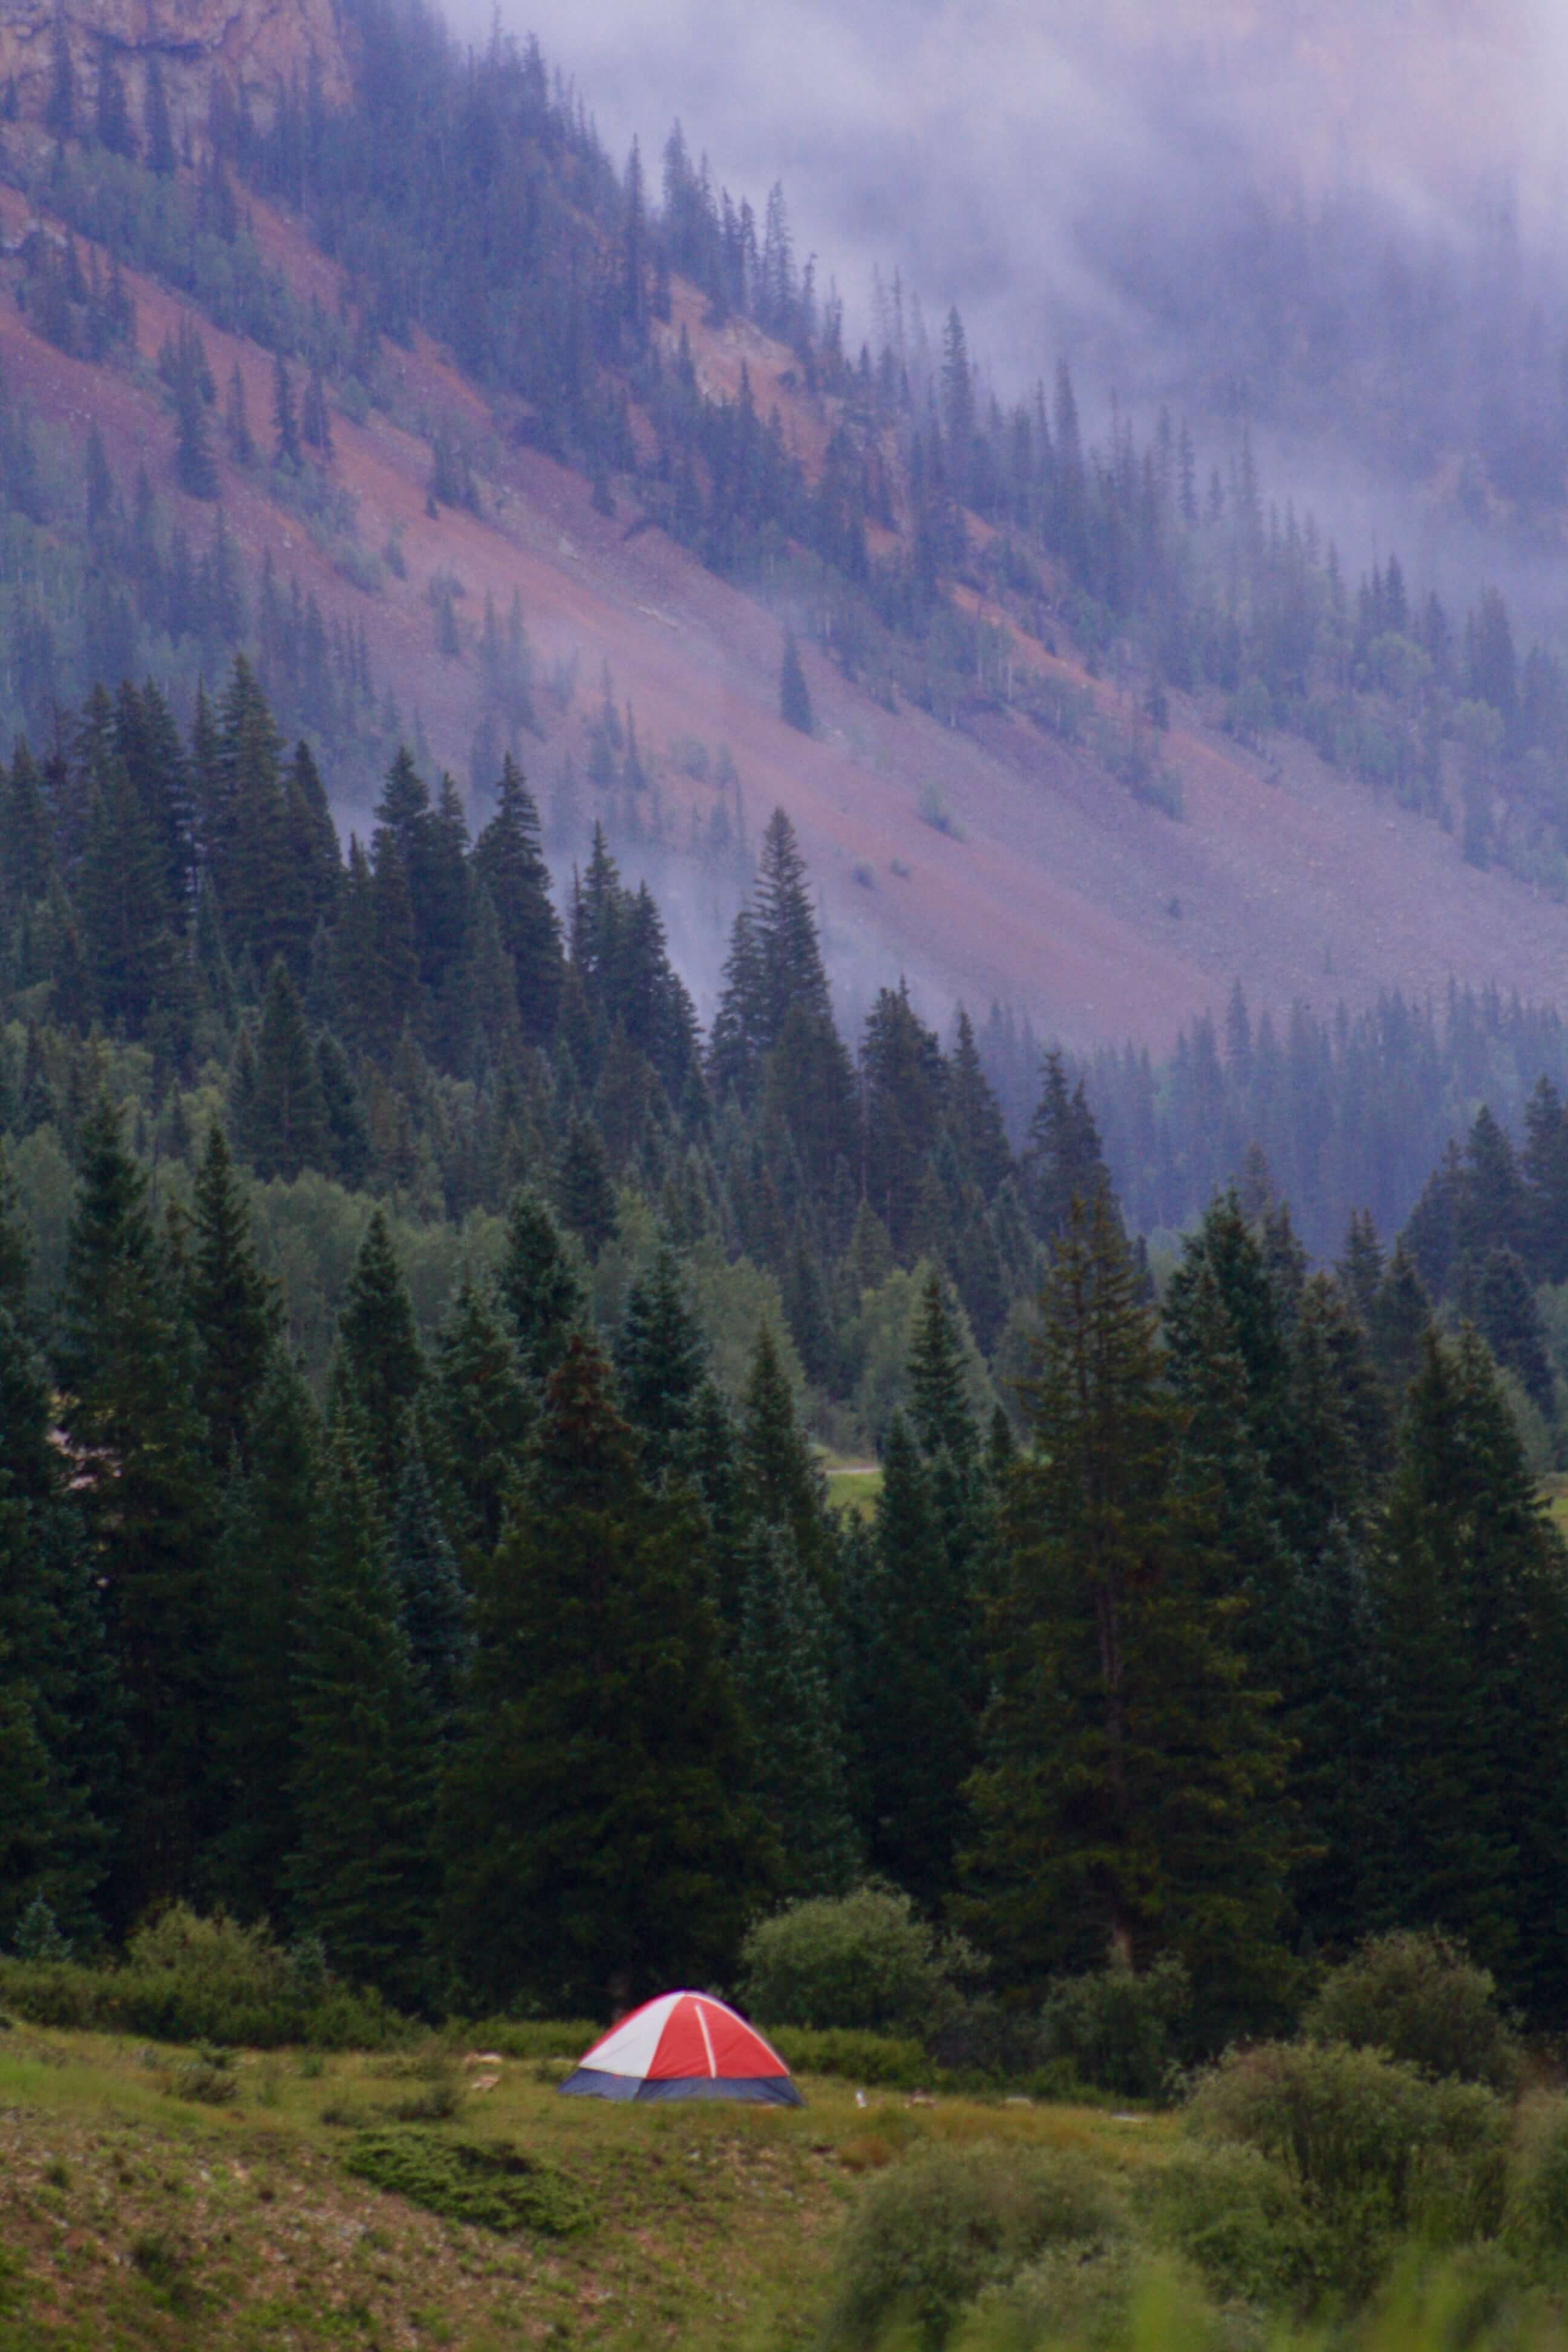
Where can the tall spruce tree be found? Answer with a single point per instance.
(784, 1668)
(128, 1410)
(480, 1416)
(234, 1307)
(600, 1846)
(271, 1517)
(537, 1287)
(510, 862)
(1129, 1801)
(660, 1363)
(363, 1874)
(1471, 1587)
(381, 1363)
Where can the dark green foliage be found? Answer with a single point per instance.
(1118, 2028)
(538, 1288)
(660, 1364)
(147, 1500)
(282, 1125)
(1471, 1584)
(937, 2228)
(865, 1962)
(486, 2184)
(509, 863)
(1128, 1799)
(583, 1193)
(272, 1508)
(363, 1877)
(480, 1413)
(1422, 1999)
(382, 1362)
(784, 1673)
(434, 1606)
(233, 1305)
(596, 1828)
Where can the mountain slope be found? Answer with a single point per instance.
(1042, 881)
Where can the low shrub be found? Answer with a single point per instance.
(1423, 1998)
(1377, 2150)
(533, 2037)
(493, 2185)
(875, 2059)
(189, 1978)
(931, 2234)
(866, 1962)
(1536, 2222)
(210, 2085)
(1069, 2296)
(1239, 2220)
(1117, 2028)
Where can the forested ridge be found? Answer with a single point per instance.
(939, 543)
(509, 1642)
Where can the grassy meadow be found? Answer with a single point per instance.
(151, 2198)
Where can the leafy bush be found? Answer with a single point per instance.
(189, 1978)
(1239, 2220)
(872, 2058)
(863, 1961)
(931, 2234)
(1067, 2296)
(1376, 2149)
(1117, 2027)
(493, 2185)
(1536, 2222)
(1423, 1998)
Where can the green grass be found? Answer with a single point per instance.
(132, 2217)
(854, 1481)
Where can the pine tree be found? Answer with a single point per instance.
(286, 1128)
(914, 1721)
(600, 1846)
(583, 1193)
(60, 1757)
(234, 1307)
(159, 131)
(128, 1410)
(271, 1515)
(1129, 1799)
(509, 862)
(538, 1288)
(1062, 1160)
(794, 695)
(1471, 1586)
(784, 1673)
(480, 1415)
(434, 1604)
(781, 1480)
(382, 1363)
(660, 1363)
(362, 1875)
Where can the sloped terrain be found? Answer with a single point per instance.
(1045, 883)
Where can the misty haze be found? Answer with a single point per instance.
(784, 1176)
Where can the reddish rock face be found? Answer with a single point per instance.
(252, 50)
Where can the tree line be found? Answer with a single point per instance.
(517, 1650)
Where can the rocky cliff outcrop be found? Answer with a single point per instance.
(248, 51)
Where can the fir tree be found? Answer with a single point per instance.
(784, 1673)
(1128, 1799)
(434, 1607)
(794, 695)
(599, 1844)
(538, 1288)
(362, 1875)
(284, 1120)
(509, 862)
(270, 1517)
(234, 1307)
(660, 1361)
(480, 1415)
(584, 1193)
(286, 450)
(381, 1361)
(129, 1411)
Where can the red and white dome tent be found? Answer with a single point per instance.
(684, 2045)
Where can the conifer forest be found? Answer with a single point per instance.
(571, 1377)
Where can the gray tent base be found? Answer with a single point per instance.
(756, 2090)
